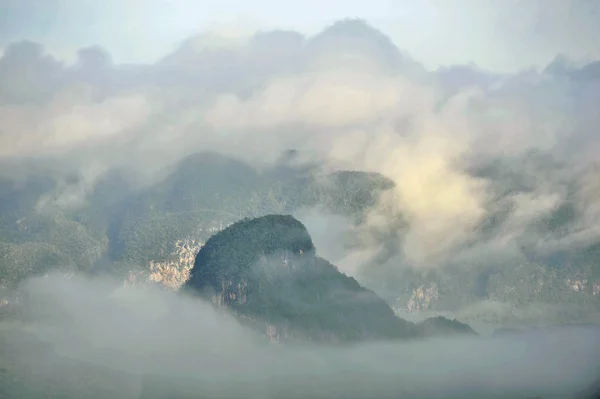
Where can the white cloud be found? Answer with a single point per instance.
(71, 119)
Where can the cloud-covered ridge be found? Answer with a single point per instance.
(346, 97)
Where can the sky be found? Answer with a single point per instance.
(503, 36)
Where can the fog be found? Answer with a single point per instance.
(126, 340)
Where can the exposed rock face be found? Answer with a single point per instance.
(422, 298)
(577, 285)
(266, 270)
(174, 273)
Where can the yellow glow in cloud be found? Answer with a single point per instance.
(441, 203)
(354, 117)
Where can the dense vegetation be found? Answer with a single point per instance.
(118, 227)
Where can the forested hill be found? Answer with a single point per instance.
(266, 270)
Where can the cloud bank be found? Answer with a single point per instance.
(128, 341)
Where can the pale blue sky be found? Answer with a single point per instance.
(496, 34)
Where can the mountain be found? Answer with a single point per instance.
(118, 226)
(266, 270)
(205, 192)
(121, 228)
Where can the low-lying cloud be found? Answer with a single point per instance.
(126, 341)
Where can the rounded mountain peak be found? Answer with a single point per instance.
(235, 250)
